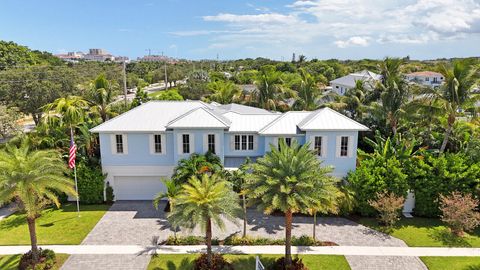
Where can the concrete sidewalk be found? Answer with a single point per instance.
(328, 250)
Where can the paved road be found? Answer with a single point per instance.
(138, 223)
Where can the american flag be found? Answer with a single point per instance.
(72, 153)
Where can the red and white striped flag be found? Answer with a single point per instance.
(72, 153)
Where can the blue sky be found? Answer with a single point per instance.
(201, 29)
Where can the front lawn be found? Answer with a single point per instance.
(55, 226)
(425, 232)
(10, 262)
(452, 263)
(246, 262)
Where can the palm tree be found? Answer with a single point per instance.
(455, 95)
(196, 165)
(270, 91)
(308, 92)
(172, 191)
(353, 102)
(203, 201)
(66, 112)
(101, 96)
(224, 92)
(394, 91)
(290, 179)
(33, 179)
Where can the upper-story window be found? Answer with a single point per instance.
(243, 142)
(157, 143)
(344, 146)
(186, 143)
(119, 144)
(211, 143)
(317, 145)
(427, 79)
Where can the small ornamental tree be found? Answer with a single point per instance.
(459, 212)
(388, 206)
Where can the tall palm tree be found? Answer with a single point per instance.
(66, 111)
(353, 102)
(455, 94)
(270, 91)
(290, 179)
(203, 201)
(394, 91)
(33, 179)
(224, 92)
(101, 96)
(308, 92)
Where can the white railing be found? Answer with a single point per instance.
(258, 264)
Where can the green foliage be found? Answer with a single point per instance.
(8, 121)
(173, 189)
(91, 182)
(440, 175)
(140, 98)
(171, 94)
(216, 262)
(196, 165)
(374, 175)
(47, 260)
(189, 240)
(224, 92)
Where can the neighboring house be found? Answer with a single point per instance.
(343, 84)
(145, 144)
(427, 78)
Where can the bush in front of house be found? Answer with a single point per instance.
(91, 181)
(110, 196)
(459, 212)
(389, 207)
(280, 264)
(47, 260)
(376, 174)
(218, 263)
(435, 175)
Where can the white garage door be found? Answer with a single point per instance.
(137, 187)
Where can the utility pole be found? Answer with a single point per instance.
(125, 83)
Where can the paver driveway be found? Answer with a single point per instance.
(138, 223)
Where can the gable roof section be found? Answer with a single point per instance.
(351, 79)
(199, 118)
(249, 122)
(149, 117)
(286, 124)
(242, 109)
(328, 119)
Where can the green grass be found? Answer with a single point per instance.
(452, 263)
(55, 226)
(10, 262)
(426, 232)
(157, 93)
(247, 262)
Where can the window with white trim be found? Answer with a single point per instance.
(186, 143)
(119, 144)
(344, 146)
(317, 145)
(243, 142)
(157, 143)
(211, 143)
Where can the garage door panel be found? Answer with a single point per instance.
(137, 187)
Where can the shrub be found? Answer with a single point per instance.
(375, 175)
(459, 212)
(109, 193)
(435, 175)
(297, 264)
(388, 206)
(90, 183)
(47, 260)
(188, 241)
(218, 263)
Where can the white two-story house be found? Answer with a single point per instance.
(143, 145)
(426, 78)
(343, 84)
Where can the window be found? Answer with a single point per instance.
(427, 79)
(243, 142)
(344, 146)
(318, 145)
(336, 86)
(157, 143)
(119, 143)
(211, 143)
(288, 141)
(186, 143)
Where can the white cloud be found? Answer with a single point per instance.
(347, 22)
(352, 41)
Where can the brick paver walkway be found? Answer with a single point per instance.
(138, 223)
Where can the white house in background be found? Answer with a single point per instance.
(427, 78)
(143, 145)
(343, 84)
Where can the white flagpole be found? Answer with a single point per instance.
(76, 189)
